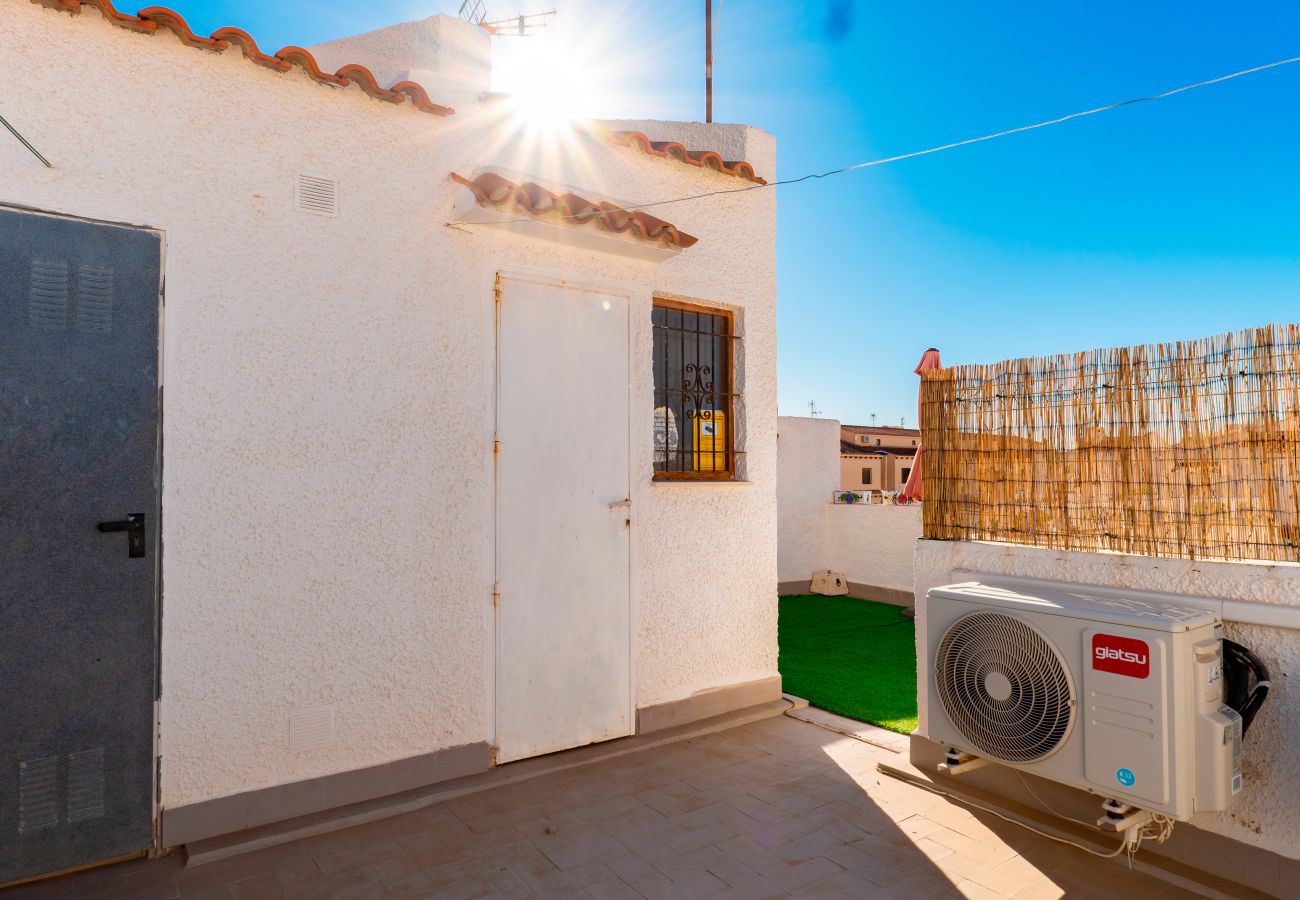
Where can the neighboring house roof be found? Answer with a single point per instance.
(706, 159)
(150, 19)
(881, 429)
(537, 202)
(848, 448)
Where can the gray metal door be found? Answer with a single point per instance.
(79, 473)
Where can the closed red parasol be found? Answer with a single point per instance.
(912, 490)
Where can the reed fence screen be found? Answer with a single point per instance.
(1188, 449)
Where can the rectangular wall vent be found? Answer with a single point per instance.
(318, 195)
(86, 785)
(95, 298)
(311, 729)
(47, 299)
(38, 793)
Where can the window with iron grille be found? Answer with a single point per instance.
(696, 402)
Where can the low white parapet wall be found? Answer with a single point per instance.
(871, 544)
(1267, 814)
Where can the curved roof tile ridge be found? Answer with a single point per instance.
(173, 21)
(150, 19)
(531, 199)
(244, 41)
(707, 159)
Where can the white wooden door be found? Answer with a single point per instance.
(563, 655)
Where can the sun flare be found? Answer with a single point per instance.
(547, 79)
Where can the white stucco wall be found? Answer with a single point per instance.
(870, 544)
(874, 543)
(1267, 814)
(454, 64)
(328, 417)
(808, 472)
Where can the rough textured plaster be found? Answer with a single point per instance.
(450, 58)
(328, 407)
(871, 544)
(1267, 814)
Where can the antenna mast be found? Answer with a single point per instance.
(708, 59)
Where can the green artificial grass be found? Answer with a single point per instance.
(852, 657)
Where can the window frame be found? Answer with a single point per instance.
(729, 395)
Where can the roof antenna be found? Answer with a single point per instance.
(873, 420)
(813, 410)
(515, 26)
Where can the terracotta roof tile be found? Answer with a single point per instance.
(705, 159)
(881, 429)
(571, 209)
(848, 448)
(152, 18)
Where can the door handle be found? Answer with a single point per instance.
(133, 525)
(625, 505)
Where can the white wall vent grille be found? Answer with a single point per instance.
(311, 729)
(317, 195)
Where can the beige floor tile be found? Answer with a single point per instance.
(775, 808)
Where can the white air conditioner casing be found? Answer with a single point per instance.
(1122, 698)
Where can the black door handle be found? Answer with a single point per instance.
(133, 525)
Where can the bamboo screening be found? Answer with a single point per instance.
(1187, 449)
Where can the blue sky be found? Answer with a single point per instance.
(1159, 221)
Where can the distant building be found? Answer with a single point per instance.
(876, 458)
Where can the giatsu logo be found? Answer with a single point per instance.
(1121, 655)
(1116, 653)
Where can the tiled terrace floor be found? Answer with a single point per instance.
(775, 808)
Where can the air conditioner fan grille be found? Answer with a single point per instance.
(1004, 687)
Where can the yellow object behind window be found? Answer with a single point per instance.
(710, 453)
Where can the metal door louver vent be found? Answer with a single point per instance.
(1005, 687)
(94, 298)
(317, 195)
(47, 298)
(86, 785)
(38, 793)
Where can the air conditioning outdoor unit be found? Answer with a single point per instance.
(1122, 698)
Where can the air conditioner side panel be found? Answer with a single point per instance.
(1126, 714)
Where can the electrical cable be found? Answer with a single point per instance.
(1240, 664)
(1047, 806)
(960, 799)
(1038, 831)
(915, 153)
(1157, 830)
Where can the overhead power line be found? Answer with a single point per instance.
(975, 140)
(942, 147)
